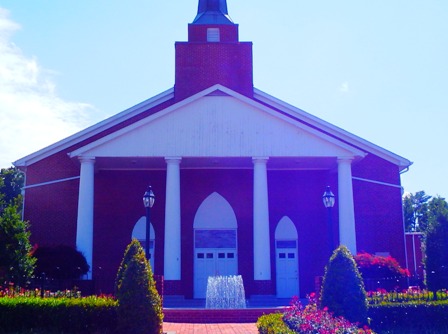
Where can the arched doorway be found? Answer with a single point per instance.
(139, 233)
(286, 258)
(215, 242)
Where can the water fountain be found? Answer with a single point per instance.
(225, 292)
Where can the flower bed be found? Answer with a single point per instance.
(307, 320)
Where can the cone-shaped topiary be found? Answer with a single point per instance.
(343, 288)
(132, 249)
(139, 305)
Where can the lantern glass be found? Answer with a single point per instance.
(149, 198)
(328, 198)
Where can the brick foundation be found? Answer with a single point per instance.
(217, 316)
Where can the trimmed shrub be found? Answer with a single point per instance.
(272, 324)
(132, 250)
(343, 288)
(60, 262)
(57, 315)
(139, 305)
(397, 318)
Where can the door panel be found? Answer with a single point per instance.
(212, 262)
(287, 272)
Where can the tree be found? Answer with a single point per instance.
(16, 262)
(415, 210)
(139, 304)
(11, 183)
(436, 246)
(343, 288)
(60, 262)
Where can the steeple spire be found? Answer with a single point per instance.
(212, 12)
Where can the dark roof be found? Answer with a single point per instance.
(212, 12)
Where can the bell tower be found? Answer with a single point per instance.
(213, 54)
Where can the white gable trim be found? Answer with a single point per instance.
(95, 129)
(296, 113)
(332, 129)
(89, 149)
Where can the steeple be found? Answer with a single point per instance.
(212, 12)
(213, 54)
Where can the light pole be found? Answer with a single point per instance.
(148, 202)
(328, 199)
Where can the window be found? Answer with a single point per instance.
(213, 35)
(286, 244)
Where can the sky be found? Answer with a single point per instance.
(378, 69)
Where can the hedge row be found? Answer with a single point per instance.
(58, 315)
(409, 318)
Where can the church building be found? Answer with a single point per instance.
(238, 177)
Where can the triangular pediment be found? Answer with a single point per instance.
(218, 122)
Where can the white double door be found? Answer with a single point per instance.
(287, 272)
(212, 262)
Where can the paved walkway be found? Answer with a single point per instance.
(182, 328)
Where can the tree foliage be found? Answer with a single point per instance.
(343, 288)
(60, 262)
(415, 210)
(16, 262)
(139, 304)
(436, 246)
(11, 183)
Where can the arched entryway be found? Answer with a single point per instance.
(286, 258)
(215, 242)
(139, 233)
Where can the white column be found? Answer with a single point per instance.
(262, 249)
(84, 228)
(172, 220)
(347, 230)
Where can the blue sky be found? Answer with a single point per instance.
(378, 69)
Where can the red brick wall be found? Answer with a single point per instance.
(118, 206)
(52, 210)
(298, 195)
(378, 208)
(52, 213)
(201, 65)
(375, 168)
(236, 187)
